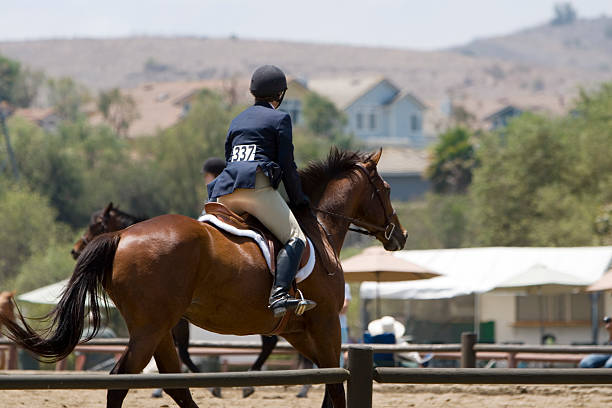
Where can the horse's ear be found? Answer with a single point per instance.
(375, 157)
(107, 208)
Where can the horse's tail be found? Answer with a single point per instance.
(67, 318)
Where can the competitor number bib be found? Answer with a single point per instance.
(243, 153)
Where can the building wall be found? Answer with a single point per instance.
(407, 187)
(501, 308)
(371, 103)
(402, 112)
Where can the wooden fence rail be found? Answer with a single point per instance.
(359, 377)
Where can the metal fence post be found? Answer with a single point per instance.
(468, 355)
(359, 386)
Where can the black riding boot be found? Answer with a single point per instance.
(287, 264)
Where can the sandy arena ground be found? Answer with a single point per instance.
(385, 395)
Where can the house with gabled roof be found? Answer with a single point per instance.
(501, 117)
(378, 112)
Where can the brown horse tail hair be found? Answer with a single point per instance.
(67, 318)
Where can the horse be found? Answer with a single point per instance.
(110, 219)
(173, 266)
(8, 311)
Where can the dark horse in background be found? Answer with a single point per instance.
(172, 266)
(112, 219)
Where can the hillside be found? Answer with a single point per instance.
(530, 68)
(585, 44)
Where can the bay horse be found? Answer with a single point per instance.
(173, 266)
(7, 310)
(110, 219)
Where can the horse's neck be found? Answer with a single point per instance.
(125, 219)
(341, 202)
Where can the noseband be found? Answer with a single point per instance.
(366, 227)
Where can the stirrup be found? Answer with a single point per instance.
(304, 304)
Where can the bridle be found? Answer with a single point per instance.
(366, 228)
(86, 241)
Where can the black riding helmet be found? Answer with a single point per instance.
(268, 81)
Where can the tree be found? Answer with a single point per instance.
(18, 86)
(118, 110)
(28, 227)
(322, 117)
(565, 13)
(176, 154)
(453, 162)
(9, 72)
(67, 98)
(52, 165)
(529, 189)
(438, 221)
(46, 267)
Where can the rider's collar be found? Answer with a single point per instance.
(264, 103)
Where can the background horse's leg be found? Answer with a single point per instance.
(267, 345)
(304, 363)
(167, 362)
(135, 357)
(180, 333)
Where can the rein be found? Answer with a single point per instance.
(366, 228)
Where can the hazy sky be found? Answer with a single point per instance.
(408, 24)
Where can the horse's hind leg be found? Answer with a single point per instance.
(168, 362)
(180, 334)
(134, 359)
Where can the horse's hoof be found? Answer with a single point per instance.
(216, 392)
(157, 393)
(304, 391)
(247, 392)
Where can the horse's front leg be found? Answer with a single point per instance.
(321, 343)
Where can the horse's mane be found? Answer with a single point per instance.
(123, 217)
(338, 162)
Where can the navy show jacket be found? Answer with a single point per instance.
(259, 137)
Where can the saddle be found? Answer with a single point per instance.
(249, 222)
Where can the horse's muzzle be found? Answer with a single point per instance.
(396, 241)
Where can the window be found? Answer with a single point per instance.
(555, 308)
(372, 121)
(359, 119)
(415, 123)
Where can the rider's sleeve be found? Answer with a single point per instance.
(291, 179)
(228, 147)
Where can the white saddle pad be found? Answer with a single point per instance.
(302, 273)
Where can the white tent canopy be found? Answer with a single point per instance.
(479, 270)
(49, 295)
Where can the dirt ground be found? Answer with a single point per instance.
(385, 395)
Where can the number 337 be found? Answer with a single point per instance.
(243, 153)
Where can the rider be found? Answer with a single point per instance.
(261, 177)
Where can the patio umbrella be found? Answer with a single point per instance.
(378, 265)
(604, 283)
